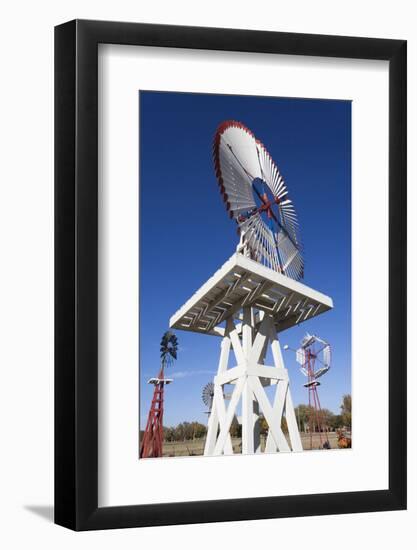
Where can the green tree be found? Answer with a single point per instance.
(303, 414)
(346, 410)
(185, 431)
(326, 417)
(336, 422)
(188, 430)
(169, 433)
(263, 425)
(199, 430)
(179, 432)
(235, 428)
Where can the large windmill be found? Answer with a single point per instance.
(255, 295)
(153, 437)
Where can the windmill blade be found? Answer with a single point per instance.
(327, 355)
(321, 355)
(300, 356)
(168, 348)
(208, 395)
(321, 371)
(308, 340)
(256, 197)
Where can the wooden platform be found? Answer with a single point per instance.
(243, 282)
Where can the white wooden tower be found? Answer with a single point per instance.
(247, 305)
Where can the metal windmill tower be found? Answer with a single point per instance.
(254, 296)
(314, 350)
(153, 436)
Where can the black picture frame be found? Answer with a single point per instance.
(76, 272)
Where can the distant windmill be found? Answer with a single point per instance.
(208, 396)
(314, 349)
(154, 433)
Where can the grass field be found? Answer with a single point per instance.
(196, 447)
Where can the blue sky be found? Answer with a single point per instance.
(186, 235)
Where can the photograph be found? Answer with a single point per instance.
(245, 274)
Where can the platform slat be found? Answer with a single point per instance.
(244, 282)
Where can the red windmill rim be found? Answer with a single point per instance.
(267, 204)
(273, 192)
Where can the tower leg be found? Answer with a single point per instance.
(151, 445)
(218, 407)
(250, 342)
(248, 398)
(248, 420)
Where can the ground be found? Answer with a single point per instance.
(196, 447)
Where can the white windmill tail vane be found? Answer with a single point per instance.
(256, 197)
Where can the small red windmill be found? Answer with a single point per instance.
(314, 349)
(153, 437)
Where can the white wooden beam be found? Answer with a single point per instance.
(248, 420)
(293, 430)
(274, 423)
(249, 341)
(227, 421)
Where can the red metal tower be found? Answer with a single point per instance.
(316, 418)
(314, 349)
(154, 433)
(153, 437)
